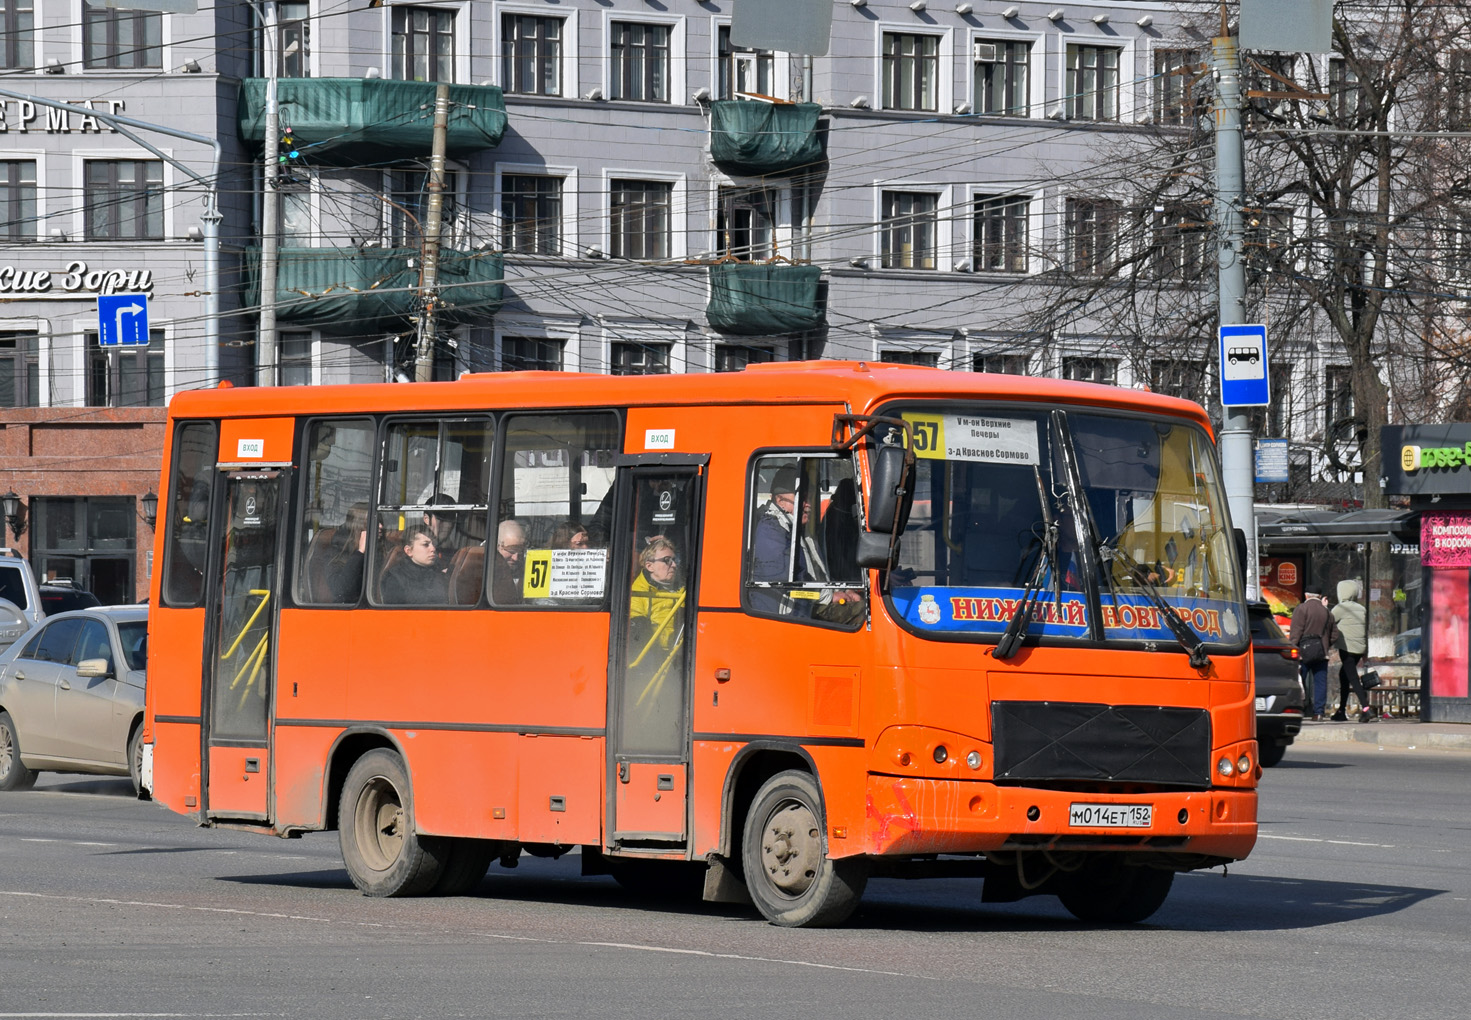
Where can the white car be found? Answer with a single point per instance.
(71, 696)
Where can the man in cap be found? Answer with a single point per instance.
(1312, 632)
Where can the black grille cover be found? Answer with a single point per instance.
(1037, 740)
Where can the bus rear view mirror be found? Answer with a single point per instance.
(873, 550)
(888, 502)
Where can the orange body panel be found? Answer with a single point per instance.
(502, 715)
(238, 781)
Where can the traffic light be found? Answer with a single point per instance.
(288, 160)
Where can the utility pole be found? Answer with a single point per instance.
(265, 341)
(433, 225)
(1236, 435)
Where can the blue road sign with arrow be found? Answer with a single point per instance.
(1244, 366)
(122, 320)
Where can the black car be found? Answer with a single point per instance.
(64, 598)
(1279, 696)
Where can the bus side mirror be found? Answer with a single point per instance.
(887, 502)
(873, 550)
(1241, 550)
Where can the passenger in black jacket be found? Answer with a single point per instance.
(416, 579)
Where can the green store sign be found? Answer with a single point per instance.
(1412, 458)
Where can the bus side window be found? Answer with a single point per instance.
(801, 557)
(551, 528)
(332, 538)
(191, 488)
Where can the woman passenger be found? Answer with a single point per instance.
(654, 606)
(349, 552)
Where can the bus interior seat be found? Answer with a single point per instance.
(467, 575)
(395, 553)
(316, 566)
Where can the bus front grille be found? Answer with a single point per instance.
(1073, 742)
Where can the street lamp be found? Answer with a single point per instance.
(149, 503)
(14, 511)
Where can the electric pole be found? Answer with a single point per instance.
(433, 225)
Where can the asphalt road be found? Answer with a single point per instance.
(1357, 902)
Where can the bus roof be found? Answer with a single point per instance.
(861, 384)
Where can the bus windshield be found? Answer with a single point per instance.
(1107, 520)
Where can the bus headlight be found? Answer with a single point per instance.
(1243, 764)
(1224, 766)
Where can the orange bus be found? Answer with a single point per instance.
(779, 630)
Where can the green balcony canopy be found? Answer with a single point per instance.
(375, 290)
(754, 299)
(341, 121)
(752, 138)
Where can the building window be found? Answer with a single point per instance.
(1456, 90)
(1181, 243)
(531, 55)
(121, 40)
(410, 207)
(911, 71)
(17, 200)
(640, 62)
(1181, 377)
(530, 354)
(1001, 77)
(1000, 234)
(1338, 395)
(1104, 371)
(1268, 230)
(929, 359)
(294, 359)
(639, 359)
(20, 369)
(124, 199)
(734, 357)
(17, 34)
(743, 223)
(1000, 364)
(743, 69)
(1345, 91)
(423, 44)
(293, 40)
(909, 229)
(1092, 235)
(531, 214)
(1092, 83)
(1174, 96)
(640, 223)
(125, 376)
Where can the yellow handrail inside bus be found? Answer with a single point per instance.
(265, 595)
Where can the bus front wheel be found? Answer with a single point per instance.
(1110, 892)
(789, 875)
(381, 847)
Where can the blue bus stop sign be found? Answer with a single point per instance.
(122, 320)
(1244, 366)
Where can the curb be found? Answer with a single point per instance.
(1410, 736)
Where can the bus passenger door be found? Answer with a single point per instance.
(240, 658)
(655, 566)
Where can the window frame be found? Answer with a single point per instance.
(400, 53)
(675, 226)
(979, 359)
(20, 199)
(26, 358)
(109, 21)
(1080, 103)
(1072, 361)
(891, 228)
(724, 76)
(1008, 64)
(18, 35)
(1174, 100)
(566, 60)
(1180, 250)
(1016, 261)
(1085, 211)
(111, 361)
(547, 242)
(889, 69)
(543, 342)
(150, 193)
(673, 59)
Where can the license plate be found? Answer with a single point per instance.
(1111, 816)
(1261, 704)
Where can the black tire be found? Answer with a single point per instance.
(380, 845)
(465, 864)
(1270, 754)
(788, 873)
(13, 775)
(1107, 891)
(135, 763)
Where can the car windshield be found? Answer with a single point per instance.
(134, 638)
(1111, 519)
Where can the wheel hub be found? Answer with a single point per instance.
(791, 848)
(381, 824)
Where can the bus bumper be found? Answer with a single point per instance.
(907, 816)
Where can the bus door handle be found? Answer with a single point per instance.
(623, 771)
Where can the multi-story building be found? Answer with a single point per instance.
(627, 191)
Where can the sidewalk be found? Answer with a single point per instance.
(1406, 733)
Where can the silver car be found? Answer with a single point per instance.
(71, 696)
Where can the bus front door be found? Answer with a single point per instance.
(240, 659)
(655, 550)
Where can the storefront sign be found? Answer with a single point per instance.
(1426, 459)
(78, 278)
(1445, 540)
(23, 116)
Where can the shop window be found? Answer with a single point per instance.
(530, 354)
(640, 62)
(121, 40)
(555, 510)
(802, 530)
(431, 513)
(1092, 83)
(125, 376)
(640, 223)
(1001, 77)
(743, 69)
(334, 529)
(911, 71)
(638, 359)
(124, 199)
(910, 225)
(17, 199)
(20, 369)
(17, 34)
(531, 214)
(423, 44)
(531, 55)
(187, 512)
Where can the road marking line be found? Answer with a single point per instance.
(747, 959)
(1319, 839)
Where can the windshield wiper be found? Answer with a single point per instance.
(1016, 627)
(1184, 633)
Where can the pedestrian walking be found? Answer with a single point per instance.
(1312, 631)
(1351, 621)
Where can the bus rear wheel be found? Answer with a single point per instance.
(384, 854)
(788, 873)
(1110, 892)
